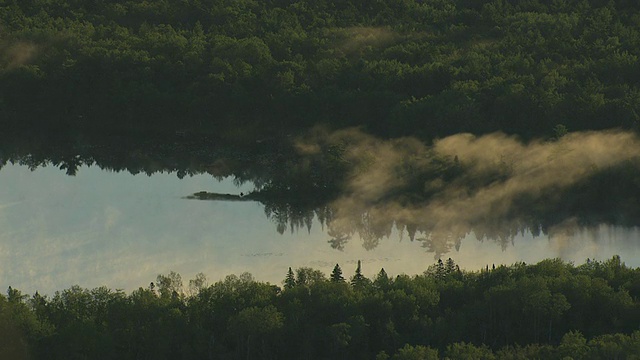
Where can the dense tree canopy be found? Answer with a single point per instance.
(550, 310)
(240, 69)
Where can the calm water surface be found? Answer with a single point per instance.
(120, 230)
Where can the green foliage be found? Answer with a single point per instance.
(468, 352)
(306, 276)
(359, 281)
(418, 352)
(559, 131)
(169, 285)
(290, 280)
(382, 281)
(549, 310)
(573, 345)
(197, 284)
(336, 274)
(397, 68)
(254, 327)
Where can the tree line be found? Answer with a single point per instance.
(242, 69)
(552, 310)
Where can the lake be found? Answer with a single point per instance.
(121, 230)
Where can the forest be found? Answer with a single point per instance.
(549, 310)
(247, 70)
(311, 97)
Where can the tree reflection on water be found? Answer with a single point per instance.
(358, 186)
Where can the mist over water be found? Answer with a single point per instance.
(493, 185)
(402, 205)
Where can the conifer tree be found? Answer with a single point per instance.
(382, 280)
(450, 266)
(336, 274)
(358, 280)
(290, 280)
(440, 270)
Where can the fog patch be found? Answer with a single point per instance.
(355, 39)
(439, 194)
(527, 169)
(18, 54)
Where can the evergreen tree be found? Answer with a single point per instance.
(450, 266)
(382, 280)
(290, 280)
(440, 270)
(358, 280)
(336, 274)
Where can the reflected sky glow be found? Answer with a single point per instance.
(120, 230)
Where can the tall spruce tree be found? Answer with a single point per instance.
(336, 274)
(290, 280)
(382, 280)
(358, 280)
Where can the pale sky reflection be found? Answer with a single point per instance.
(119, 230)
